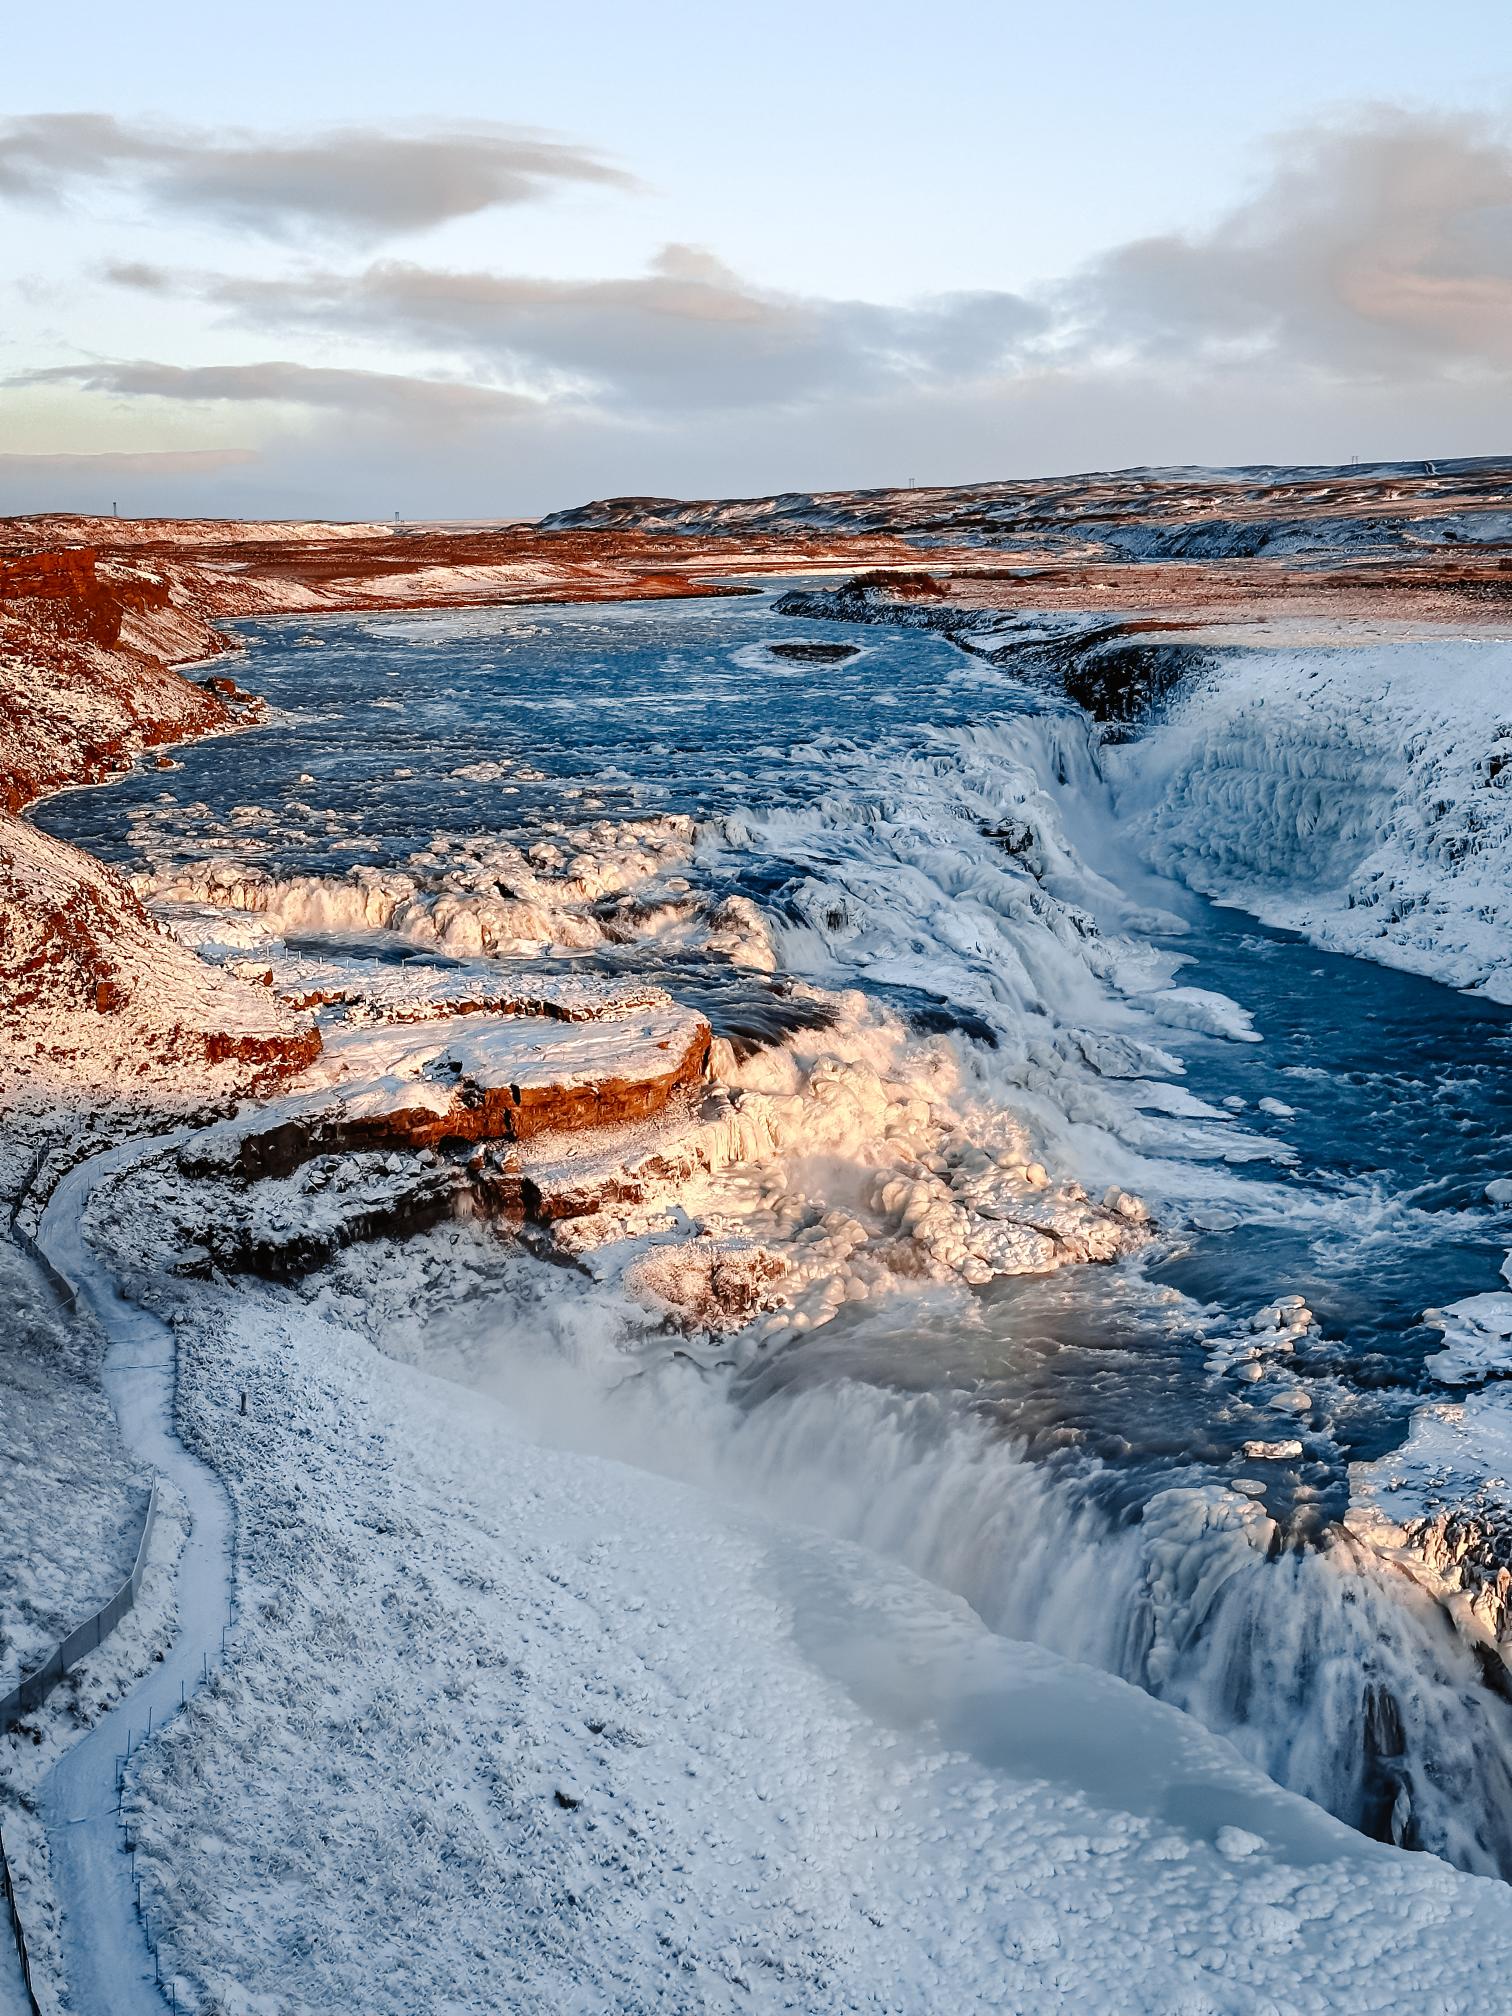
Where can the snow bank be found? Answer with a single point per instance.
(481, 895)
(1477, 1336)
(1357, 790)
(1441, 1504)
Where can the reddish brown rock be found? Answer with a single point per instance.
(629, 1077)
(93, 995)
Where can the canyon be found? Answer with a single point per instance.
(567, 893)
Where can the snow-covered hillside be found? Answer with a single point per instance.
(1352, 787)
(1133, 514)
(95, 997)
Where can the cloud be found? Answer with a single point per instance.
(688, 332)
(139, 275)
(1376, 248)
(131, 462)
(382, 395)
(343, 181)
(1379, 246)
(1358, 301)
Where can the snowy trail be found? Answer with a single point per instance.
(108, 1965)
(12, 1987)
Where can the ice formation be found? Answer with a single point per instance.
(1356, 789)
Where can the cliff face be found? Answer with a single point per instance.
(86, 647)
(94, 997)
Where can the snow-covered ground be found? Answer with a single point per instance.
(1138, 514)
(566, 1736)
(105, 1956)
(1441, 1503)
(95, 998)
(71, 1502)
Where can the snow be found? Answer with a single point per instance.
(13, 2000)
(1477, 1336)
(598, 1738)
(104, 1683)
(1126, 514)
(71, 1502)
(1358, 791)
(75, 706)
(379, 1069)
(858, 1122)
(482, 895)
(598, 1741)
(97, 1937)
(94, 996)
(1441, 1503)
(63, 529)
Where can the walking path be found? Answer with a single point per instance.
(107, 1960)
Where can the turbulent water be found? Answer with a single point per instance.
(914, 835)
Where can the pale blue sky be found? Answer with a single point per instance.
(843, 161)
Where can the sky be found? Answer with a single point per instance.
(490, 260)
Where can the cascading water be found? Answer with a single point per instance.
(905, 870)
(1331, 1673)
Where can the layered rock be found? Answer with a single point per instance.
(96, 997)
(85, 682)
(401, 1124)
(478, 1078)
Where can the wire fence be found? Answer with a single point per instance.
(16, 1932)
(62, 1289)
(36, 1686)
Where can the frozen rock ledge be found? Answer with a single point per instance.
(478, 1078)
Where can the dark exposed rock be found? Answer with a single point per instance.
(815, 654)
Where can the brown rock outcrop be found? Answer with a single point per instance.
(85, 683)
(622, 1084)
(93, 995)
